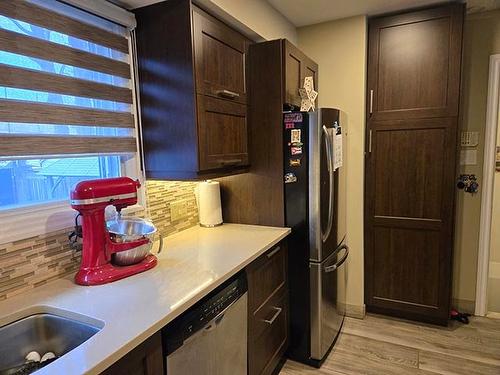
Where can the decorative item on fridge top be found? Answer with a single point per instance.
(308, 95)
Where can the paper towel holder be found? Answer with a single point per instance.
(210, 222)
(210, 225)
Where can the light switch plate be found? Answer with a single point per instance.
(178, 210)
(469, 139)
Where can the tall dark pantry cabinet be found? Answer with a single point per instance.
(413, 92)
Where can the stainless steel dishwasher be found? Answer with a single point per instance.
(211, 337)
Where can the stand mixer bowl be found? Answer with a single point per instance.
(132, 229)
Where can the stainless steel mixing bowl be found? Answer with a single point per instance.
(132, 229)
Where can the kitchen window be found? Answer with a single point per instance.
(67, 109)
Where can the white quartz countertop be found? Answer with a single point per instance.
(192, 264)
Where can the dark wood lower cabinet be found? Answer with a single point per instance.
(146, 359)
(268, 318)
(268, 322)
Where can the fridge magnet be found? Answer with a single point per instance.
(308, 95)
(296, 150)
(295, 136)
(498, 159)
(293, 117)
(294, 162)
(289, 125)
(290, 178)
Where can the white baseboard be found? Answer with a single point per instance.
(493, 315)
(355, 311)
(464, 305)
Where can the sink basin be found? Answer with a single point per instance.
(42, 332)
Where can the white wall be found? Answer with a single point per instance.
(256, 15)
(481, 39)
(339, 48)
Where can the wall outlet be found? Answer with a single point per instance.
(178, 210)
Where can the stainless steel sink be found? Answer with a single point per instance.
(41, 332)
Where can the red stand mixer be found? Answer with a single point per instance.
(90, 199)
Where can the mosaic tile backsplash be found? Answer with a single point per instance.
(32, 262)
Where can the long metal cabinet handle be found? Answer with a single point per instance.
(329, 150)
(333, 267)
(227, 94)
(271, 253)
(275, 316)
(370, 141)
(229, 161)
(371, 102)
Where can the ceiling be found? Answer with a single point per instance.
(132, 4)
(308, 12)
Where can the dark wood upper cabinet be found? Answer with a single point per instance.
(220, 58)
(297, 66)
(414, 84)
(293, 68)
(222, 133)
(414, 64)
(278, 69)
(193, 92)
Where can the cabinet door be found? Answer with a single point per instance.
(222, 133)
(310, 69)
(414, 64)
(293, 73)
(220, 58)
(146, 359)
(297, 67)
(411, 162)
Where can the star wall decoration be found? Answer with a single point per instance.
(308, 95)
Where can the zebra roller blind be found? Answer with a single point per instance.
(65, 82)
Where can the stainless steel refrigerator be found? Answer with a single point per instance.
(315, 209)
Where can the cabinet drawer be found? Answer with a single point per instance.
(220, 58)
(268, 334)
(223, 138)
(266, 275)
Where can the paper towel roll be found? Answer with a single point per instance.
(209, 206)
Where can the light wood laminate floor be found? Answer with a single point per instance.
(381, 345)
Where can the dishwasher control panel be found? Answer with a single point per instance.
(203, 312)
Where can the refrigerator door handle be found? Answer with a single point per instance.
(329, 150)
(333, 267)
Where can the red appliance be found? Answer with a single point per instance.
(90, 199)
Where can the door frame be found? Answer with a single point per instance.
(490, 143)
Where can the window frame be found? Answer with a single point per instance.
(49, 217)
